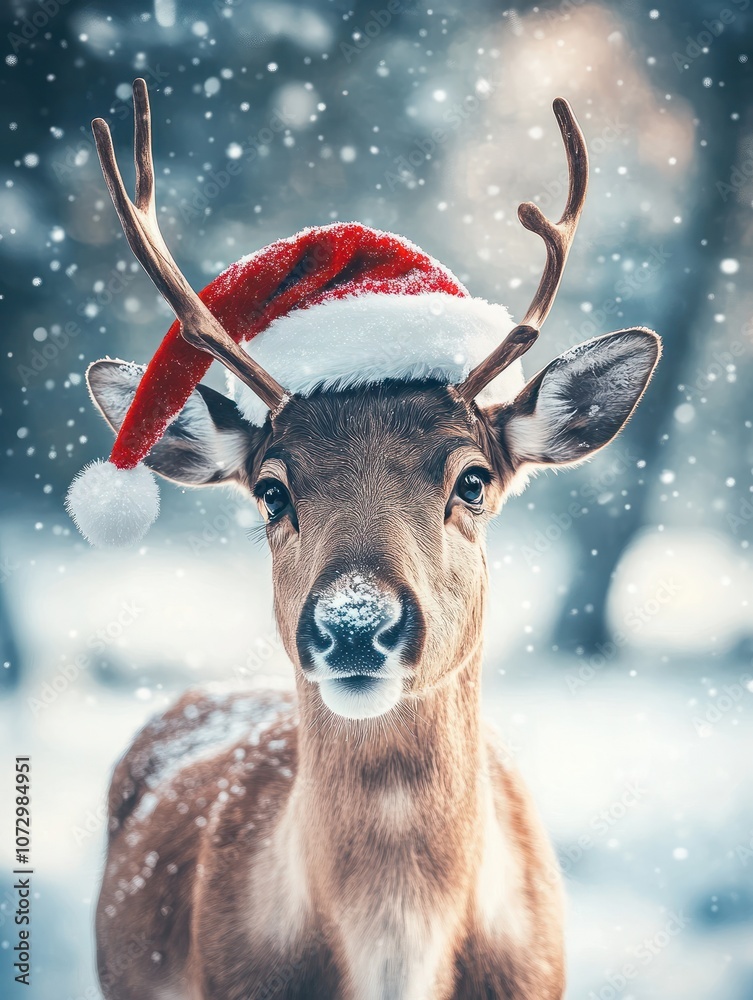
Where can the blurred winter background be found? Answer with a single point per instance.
(620, 638)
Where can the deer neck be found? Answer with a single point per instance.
(390, 821)
(429, 748)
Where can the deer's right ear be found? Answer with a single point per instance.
(208, 442)
(580, 401)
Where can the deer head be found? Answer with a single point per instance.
(377, 497)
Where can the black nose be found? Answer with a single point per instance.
(355, 625)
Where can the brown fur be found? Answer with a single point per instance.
(387, 814)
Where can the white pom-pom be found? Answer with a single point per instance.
(112, 506)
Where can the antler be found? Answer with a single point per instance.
(558, 239)
(139, 220)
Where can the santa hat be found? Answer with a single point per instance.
(334, 306)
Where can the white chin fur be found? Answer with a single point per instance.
(112, 506)
(381, 696)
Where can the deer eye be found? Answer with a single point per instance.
(274, 496)
(470, 486)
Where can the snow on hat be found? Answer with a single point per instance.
(334, 306)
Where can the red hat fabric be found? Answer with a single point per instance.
(319, 264)
(338, 305)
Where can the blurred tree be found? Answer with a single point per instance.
(685, 315)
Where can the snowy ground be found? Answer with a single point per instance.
(641, 770)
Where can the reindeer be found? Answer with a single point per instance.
(367, 839)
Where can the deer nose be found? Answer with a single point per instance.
(354, 626)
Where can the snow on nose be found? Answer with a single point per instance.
(351, 619)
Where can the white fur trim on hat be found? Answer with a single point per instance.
(368, 338)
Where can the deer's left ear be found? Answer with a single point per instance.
(209, 442)
(580, 401)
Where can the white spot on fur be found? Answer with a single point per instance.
(536, 437)
(502, 907)
(243, 719)
(398, 954)
(175, 993)
(279, 900)
(398, 811)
